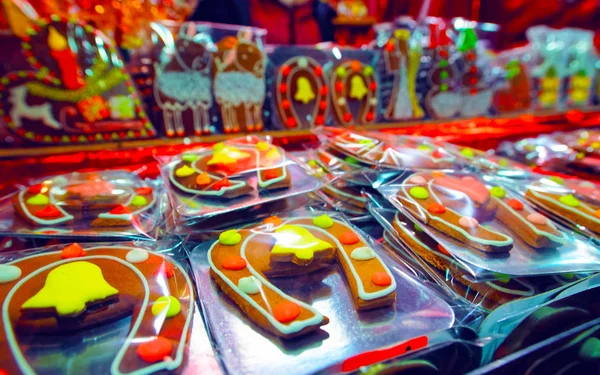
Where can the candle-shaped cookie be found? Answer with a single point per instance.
(70, 72)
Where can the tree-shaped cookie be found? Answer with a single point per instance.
(402, 60)
(76, 91)
(442, 100)
(477, 98)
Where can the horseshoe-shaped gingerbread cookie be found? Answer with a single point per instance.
(354, 93)
(301, 93)
(241, 263)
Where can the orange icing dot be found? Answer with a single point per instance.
(145, 190)
(437, 174)
(286, 311)
(273, 220)
(443, 250)
(234, 263)
(155, 350)
(48, 212)
(74, 250)
(597, 213)
(348, 238)
(515, 204)
(381, 279)
(221, 184)
(436, 208)
(203, 179)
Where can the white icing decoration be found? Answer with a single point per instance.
(568, 208)
(403, 106)
(239, 88)
(57, 190)
(476, 105)
(373, 101)
(508, 240)
(9, 273)
(341, 101)
(249, 285)
(302, 62)
(26, 368)
(137, 256)
(468, 222)
(65, 215)
(20, 109)
(347, 195)
(108, 215)
(362, 253)
(444, 104)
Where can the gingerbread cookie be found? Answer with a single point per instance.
(239, 82)
(301, 93)
(113, 198)
(443, 99)
(182, 87)
(241, 263)
(433, 199)
(354, 93)
(52, 294)
(402, 60)
(405, 153)
(66, 85)
(218, 173)
(564, 204)
(489, 293)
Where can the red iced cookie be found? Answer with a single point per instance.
(348, 238)
(234, 263)
(155, 350)
(381, 279)
(286, 311)
(72, 251)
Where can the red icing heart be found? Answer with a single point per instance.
(436, 208)
(286, 311)
(381, 279)
(271, 174)
(515, 204)
(155, 350)
(348, 238)
(234, 263)
(467, 185)
(221, 184)
(166, 269)
(120, 209)
(35, 189)
(48, 212)
(144, 190)
(74, 250)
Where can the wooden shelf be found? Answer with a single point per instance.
(34, 151)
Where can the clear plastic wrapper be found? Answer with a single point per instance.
(573, 202)
(517, 325)
(543, 151)
(370, 150)
(515, 93)
(231, 176)
(487, 228)
(320, 314)
(90, 205)
(135, 314)
(209, 78)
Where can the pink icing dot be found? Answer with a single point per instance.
(417, 180)
(468, 222)
(537, 219)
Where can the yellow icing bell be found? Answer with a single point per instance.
(69, 287)
(358, 89)
(297, 240)
(304, 91)
(227, 155)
